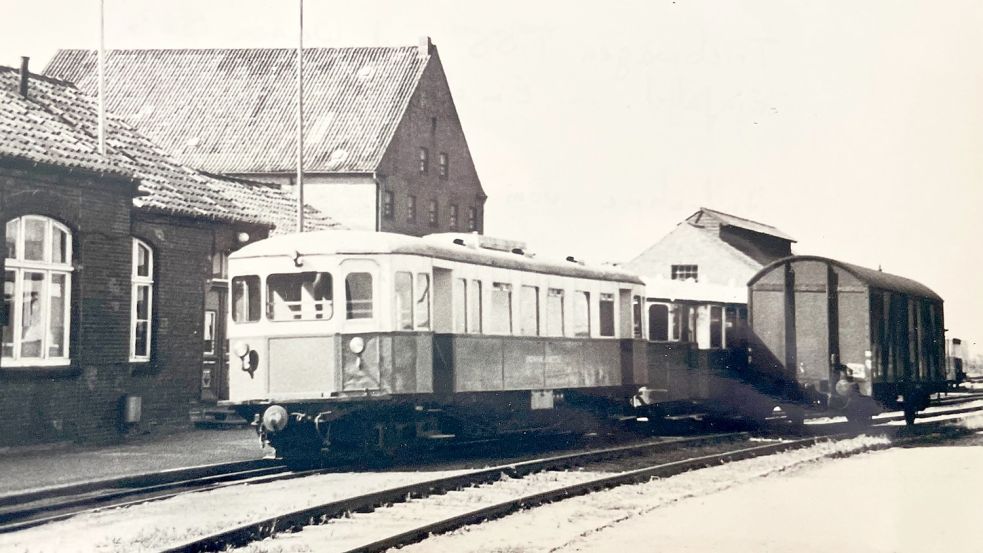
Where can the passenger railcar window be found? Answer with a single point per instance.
(404, 300)
(245, 299)
(299, 297)
(423, 300)
(716, 327)
(658, 322)
(358, 296)
(460, 300)
(529, 311)
(500, 316)
(636, 316)
(474, 307)
(606, 314)
(581, 314)
(554, 312)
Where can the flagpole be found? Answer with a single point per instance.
(101, 62)
(300, 121)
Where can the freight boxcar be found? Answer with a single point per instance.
(850, 338)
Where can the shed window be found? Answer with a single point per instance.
(474, 307)
(299, 297)
(581, 314)
(606, 314)
(404, 300)
(529, 311)
(685, 272)
(358, 296)
(37, 291)
(554, 312)
(141, 298)
(245, 299)
(460, 301)
(423, 300)
(500, 314)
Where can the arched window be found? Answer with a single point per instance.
(141, 301)
(37, 288)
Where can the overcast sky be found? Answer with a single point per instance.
(855, 126)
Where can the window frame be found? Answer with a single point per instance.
(443, 165)
(18, 265)
(452, 217)
(411, 208)
(424, 160)
(685, 272)
(472, 219)
(137, 283)
(433, 213)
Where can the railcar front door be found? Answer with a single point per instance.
(215, 358)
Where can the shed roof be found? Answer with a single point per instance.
(57, 123)
(870, 277)
(727, 219)
(437, 246)
(233, 110)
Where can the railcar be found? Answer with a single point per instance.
(846, 337)
(348, 340)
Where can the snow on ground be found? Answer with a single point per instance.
(151, 526)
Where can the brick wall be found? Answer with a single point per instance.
(81, 402)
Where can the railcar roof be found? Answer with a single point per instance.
(871, 277)
(350, 242)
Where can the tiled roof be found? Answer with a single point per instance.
(57, 121)
(735, 221)
(234, 110)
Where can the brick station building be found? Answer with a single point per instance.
(384, 147)
(111, 264)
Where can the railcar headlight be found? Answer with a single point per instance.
(357, 345)
(275, 418)
(241, 350)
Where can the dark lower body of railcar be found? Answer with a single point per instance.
(400, 388)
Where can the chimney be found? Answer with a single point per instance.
(24, 74)
(424, 47)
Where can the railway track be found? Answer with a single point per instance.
(32, 508)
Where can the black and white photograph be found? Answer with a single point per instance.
(306, 276)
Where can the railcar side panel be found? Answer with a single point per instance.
(524, 365)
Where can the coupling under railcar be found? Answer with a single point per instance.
(849, 338)
(346, 339)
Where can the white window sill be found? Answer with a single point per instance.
(19, 363)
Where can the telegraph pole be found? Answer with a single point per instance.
(300, 121)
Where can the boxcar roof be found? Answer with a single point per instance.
(873, 278)
(351, 242)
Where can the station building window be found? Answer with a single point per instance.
(433, 216)
(443, 165)
(500, 312)
(245, 299)
(37, 291)
(685, 272)
(411, 208)
(554, 312)
(472, 219)
(299, 296)
(387, 204)
(581, 314)
(358, 296)
(452, 218)
(424, 161)
(141, 301)
(529, 311)
(606, 315)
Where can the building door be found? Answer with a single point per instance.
(215, 359)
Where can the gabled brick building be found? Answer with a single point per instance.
(713, 247)
(384, 147)
(109, 264)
